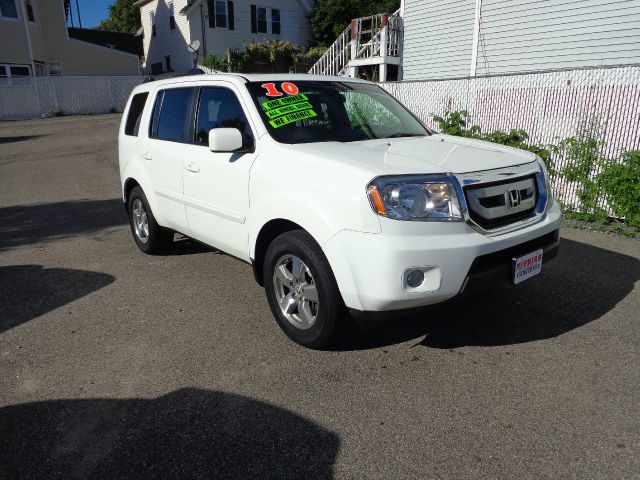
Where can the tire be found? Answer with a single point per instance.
(294, 264)
(150, 237)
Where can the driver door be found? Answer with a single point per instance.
(216, 184)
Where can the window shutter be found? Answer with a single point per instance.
(254, 21)
(230, 14)
(212, 13)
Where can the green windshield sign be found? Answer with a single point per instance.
(291, 118)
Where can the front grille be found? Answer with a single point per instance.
(498, 204)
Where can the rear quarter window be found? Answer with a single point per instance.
(132, 126)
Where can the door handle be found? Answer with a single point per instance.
(147, 156)
(192, 167)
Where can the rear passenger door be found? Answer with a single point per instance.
(216, 185)
(163, 152)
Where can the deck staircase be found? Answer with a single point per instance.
(367, 41)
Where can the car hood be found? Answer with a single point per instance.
(431, 154)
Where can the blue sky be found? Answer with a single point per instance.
(91, 11)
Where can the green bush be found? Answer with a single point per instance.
(583, 159)
(272, 55)
(620, 183)
(457, 123)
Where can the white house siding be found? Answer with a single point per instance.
(438, 38)
(294, 25)
(166, 42)
(525, 35)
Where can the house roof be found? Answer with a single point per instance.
(125, 42)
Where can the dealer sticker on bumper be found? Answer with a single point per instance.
(527, 266)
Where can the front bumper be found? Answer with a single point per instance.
(369, 268)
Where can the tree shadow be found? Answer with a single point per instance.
(27, 224)
(188, 433)
(579, 286)
(29, 291)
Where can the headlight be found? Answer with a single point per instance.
(547, 181)
(423, 198)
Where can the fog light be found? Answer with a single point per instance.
(415, 278)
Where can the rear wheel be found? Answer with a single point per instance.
(302, 291)
(150, 237)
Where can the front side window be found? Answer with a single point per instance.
(8, 9)
(219, 108)
(170, 114)
(321, 111)
(132, 127)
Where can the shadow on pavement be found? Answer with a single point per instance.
(581, 285)
(28, 224)
(28, 291)
(189, 433)
(21, 138)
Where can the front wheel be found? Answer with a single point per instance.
(302, 291)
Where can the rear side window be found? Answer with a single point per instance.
(219, 108)
(170, 114)
(135, 114)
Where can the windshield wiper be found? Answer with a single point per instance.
(401, 134)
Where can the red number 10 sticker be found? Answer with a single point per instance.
(288, 88)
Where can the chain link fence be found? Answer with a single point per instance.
(549, 106)
(33, 97)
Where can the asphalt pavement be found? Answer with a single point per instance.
(114, 364)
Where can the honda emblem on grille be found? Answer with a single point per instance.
(512, 197)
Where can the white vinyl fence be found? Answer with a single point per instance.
(549, 106)
(34, 97)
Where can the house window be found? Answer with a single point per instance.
(19, 71)
(8, 9)
(258, 19)
(221, 14)
(156, 68)
(28, 5)
(41, 69)
(167, 61)
(172, 18)
(262, 20)
(152, 16)
(275, 21)
(55, 68)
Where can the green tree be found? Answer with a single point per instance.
(123, 17)
(330, 17)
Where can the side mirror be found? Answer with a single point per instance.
(225, 139)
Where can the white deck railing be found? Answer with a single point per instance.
(368, 38)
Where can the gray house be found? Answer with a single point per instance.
(461, 38)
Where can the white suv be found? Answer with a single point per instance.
(336, 194)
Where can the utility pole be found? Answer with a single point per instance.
(78, 10)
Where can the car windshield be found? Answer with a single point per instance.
(327, 111)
